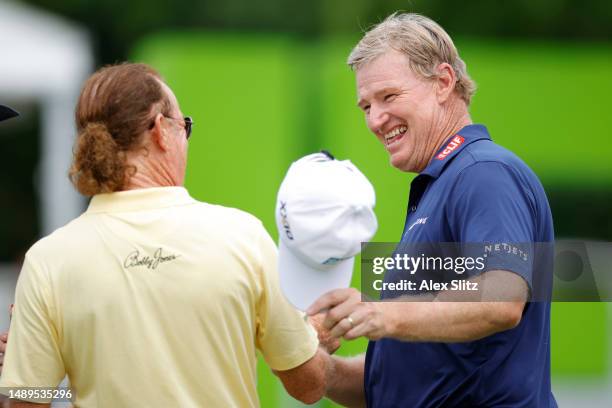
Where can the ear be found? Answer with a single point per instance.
(445, 81)
(159, 135)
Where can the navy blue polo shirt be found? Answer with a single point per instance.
(475, 191)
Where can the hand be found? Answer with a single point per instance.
(329, 343)
(3, 341)
(347, 316)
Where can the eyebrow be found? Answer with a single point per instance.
(377, 93)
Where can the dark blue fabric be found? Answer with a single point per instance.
(475, 192)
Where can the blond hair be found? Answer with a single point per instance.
(422, 40)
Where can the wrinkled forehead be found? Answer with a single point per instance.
(391, 69)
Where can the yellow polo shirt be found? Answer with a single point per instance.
(153, 299)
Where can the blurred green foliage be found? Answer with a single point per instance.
(115, 25)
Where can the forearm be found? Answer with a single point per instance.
(449, 321)
(456, 316)
(308, 381)
(345, 381)
(450, 316)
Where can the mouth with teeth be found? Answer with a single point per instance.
(395, 135)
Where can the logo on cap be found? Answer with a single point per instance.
(284, 221)
(450, 147)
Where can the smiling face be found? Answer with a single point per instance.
(401, 109)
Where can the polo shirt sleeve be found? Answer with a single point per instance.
(33, 357)
(284, 337)
(490, 213)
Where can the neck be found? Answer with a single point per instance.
(149, 172)
(450, 120)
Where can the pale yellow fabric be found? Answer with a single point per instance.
(153, 299)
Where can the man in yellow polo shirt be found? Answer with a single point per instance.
(151, 298)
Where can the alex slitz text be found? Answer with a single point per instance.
(405, 285)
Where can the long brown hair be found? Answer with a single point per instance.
(117, 105)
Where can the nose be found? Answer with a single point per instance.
(377, 117)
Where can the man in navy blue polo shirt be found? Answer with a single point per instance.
(415, 92)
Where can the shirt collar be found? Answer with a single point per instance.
(452, 146)
(139, 199)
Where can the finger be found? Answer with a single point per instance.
(361, 324)
(360, 330)
(341, 311)
(329, 300)
(341, 328)
(4, 337)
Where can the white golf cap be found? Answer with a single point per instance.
(324, 211)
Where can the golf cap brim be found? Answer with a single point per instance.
(303, 284)
(7, 113)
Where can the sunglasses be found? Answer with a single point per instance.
(188, 124)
